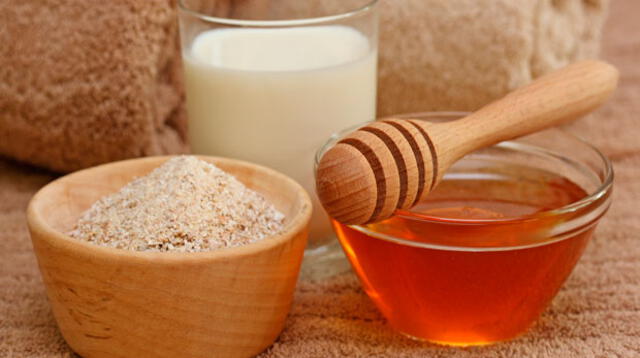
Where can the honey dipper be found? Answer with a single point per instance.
(393, 163)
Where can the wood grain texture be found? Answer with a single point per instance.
(116, 303)
(405, 159)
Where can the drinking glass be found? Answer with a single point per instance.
(269, 81)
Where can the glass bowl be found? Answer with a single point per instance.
(481, 257)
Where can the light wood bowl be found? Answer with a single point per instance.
(116, 303)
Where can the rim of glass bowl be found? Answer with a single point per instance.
(603, 188)
(367, 7)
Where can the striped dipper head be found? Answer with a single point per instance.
(384, 166)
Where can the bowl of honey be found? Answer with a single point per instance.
(480, 258)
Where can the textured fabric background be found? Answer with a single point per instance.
(83, 82)
(425, 47)
(596, 314)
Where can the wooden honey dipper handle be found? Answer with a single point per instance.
(392, 164)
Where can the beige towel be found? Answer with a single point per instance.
(84, 82)
(461, 54)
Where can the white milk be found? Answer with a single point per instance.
(274, 96)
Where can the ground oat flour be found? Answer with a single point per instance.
(186, 205)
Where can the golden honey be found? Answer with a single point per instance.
(474, 263)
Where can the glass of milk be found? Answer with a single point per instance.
(268, 81)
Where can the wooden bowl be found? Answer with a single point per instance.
(116, 303)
